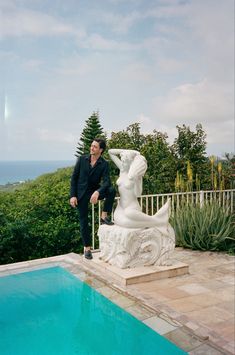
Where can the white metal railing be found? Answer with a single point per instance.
(150, 204)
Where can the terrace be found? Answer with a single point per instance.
(195, 311)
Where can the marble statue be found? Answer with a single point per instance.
(136, 239)
(132, 166)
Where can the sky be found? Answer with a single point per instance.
(161, 63)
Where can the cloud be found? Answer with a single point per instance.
(57, 136)
(33, 64)
(120, 24)
(21, 22)
(171, 65)
(136, 2)
(213, 29)
(143, 120)
(162, 63)
(167, 10)
(74, 66)
(204, 101)
(96, 41)
(137, 72)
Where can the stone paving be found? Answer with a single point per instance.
(202, 301)
(194, 311)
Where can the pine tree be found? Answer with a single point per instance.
(91, 130)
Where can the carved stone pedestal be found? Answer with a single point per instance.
(129, 248)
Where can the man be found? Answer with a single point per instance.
(90, 182)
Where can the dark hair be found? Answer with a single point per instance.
(102, 143)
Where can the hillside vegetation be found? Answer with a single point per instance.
(37, 221)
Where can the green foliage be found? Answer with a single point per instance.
(93, 129)
(37, 221)
(182, 166)
(131, 138)
(205, 228)
(161, 164)
(191, 145)
(190, 148)
(228, 166)
(222, 172)
(160, 157)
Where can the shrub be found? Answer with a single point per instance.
(210, 227)
(37, 221)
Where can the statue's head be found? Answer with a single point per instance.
(138, 167)
(127, 158)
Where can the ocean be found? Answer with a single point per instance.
(19, 171)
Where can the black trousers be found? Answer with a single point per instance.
(85, 229)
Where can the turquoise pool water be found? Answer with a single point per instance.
(51, 312)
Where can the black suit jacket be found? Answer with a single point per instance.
(99, 179)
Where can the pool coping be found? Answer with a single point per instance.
(161, 321)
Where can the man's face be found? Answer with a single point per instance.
(95, 149)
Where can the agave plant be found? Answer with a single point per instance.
(210, 227)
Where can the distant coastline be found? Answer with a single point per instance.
(17, 172)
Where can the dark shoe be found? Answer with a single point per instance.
(106, 221)
(88, 254)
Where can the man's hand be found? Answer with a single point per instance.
(73, 201)
(94, 197)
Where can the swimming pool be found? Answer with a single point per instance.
(50, 311)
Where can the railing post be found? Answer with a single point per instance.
(201, 199)
(93, 225)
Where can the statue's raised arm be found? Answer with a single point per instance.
(125, 155)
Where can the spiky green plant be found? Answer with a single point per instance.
(210, 227)
(179, 183)
(212, 161)
(189, 184)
